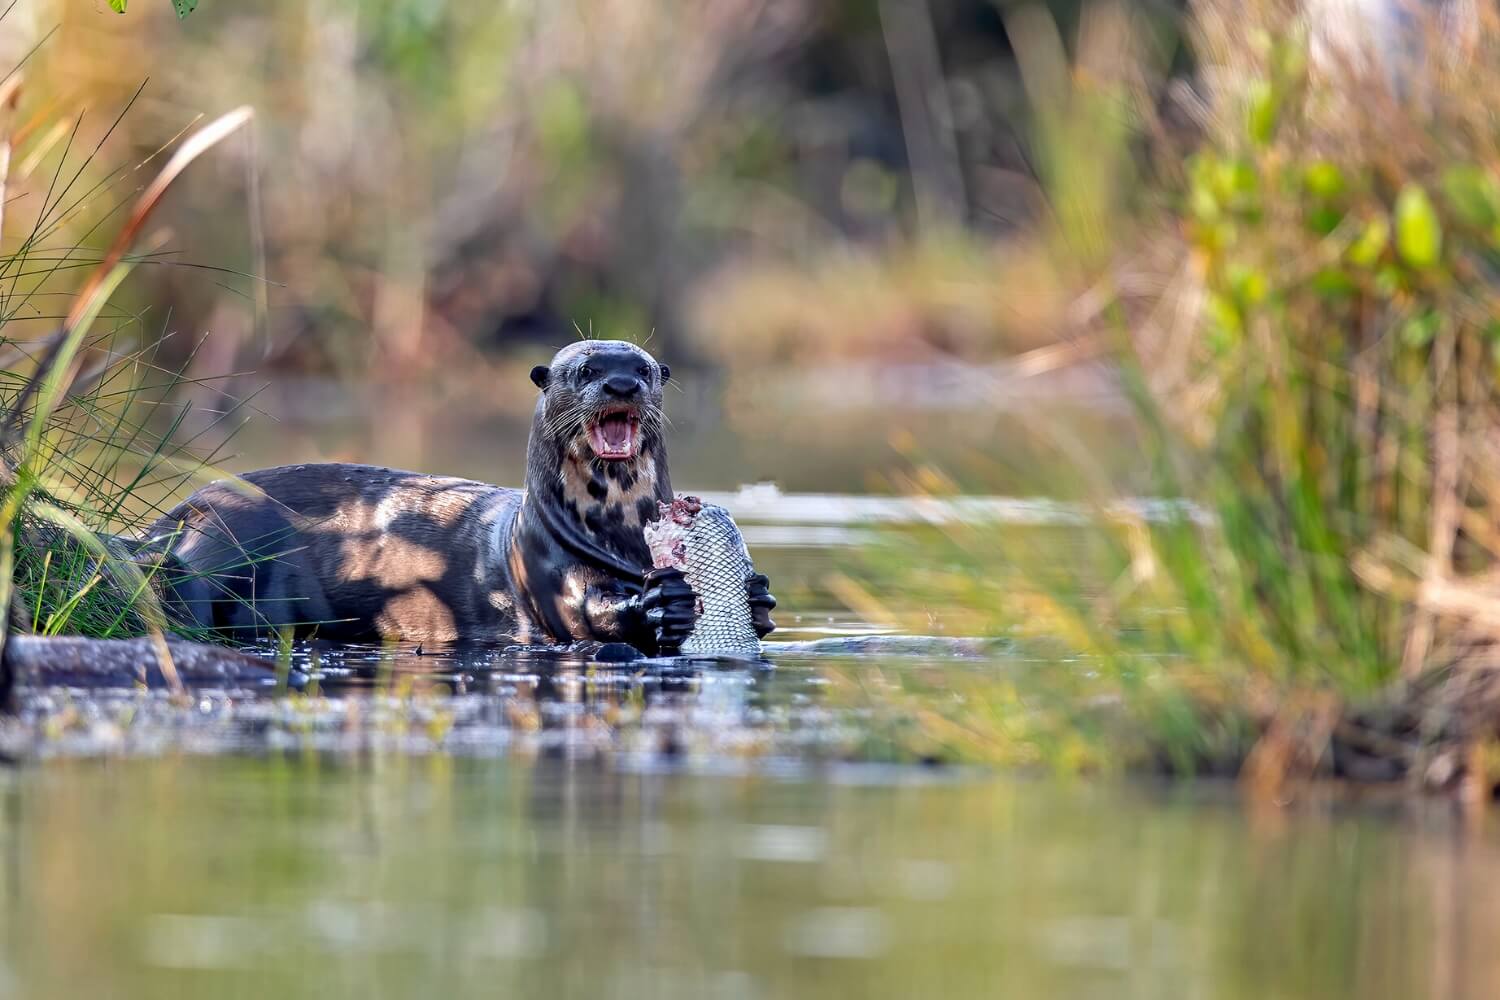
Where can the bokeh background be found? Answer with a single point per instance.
(834, 219)
(1093, 251)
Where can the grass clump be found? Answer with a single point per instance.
(80, 455)
(1316, 369)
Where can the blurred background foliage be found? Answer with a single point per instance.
(438, 187)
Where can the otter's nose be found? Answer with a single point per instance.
(622, 385)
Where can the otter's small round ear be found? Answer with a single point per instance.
(666, 373)
(539, 376)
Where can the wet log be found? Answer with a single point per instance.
(80, 662)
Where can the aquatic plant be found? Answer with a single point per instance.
(1306, 324)
(182, 7)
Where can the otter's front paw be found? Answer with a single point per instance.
(670, 606)
(758, 589)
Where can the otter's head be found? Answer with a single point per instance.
(602, 399)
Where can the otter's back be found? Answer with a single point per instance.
(359, 551)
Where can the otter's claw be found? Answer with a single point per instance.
(669, 605)
(758, 590)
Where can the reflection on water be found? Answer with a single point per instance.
(705, 715)
(386, 875)
(501, 824)
(514, 823)
(712, 715)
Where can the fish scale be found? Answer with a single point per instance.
(702, 540)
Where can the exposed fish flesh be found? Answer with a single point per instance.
(702, 540)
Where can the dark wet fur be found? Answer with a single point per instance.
(356, 552)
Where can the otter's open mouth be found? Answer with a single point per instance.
(615, 434)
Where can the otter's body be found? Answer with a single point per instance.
(355, 551)
(359, 552)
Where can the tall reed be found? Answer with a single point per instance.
(1306, 323)
(78, 443)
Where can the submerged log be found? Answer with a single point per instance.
(74, 660)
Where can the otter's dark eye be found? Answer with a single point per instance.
(644, 371)
(585, 372)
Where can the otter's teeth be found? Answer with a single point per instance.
(613, 436)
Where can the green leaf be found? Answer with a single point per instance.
(118, 6)
(1248, 285)
(1388, 281)
(1223, 314)
(1203, 201)
(1289, 60)
(1265, 108)
(1419, 234)
(1204, 206)
(1366, 250)
(1331, 283)
(184, 7)
(1473, 195)
(1324, 180)
(1324, 219)
(1419, 331)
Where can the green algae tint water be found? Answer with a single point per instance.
(398, 876)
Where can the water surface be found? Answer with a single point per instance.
(467, 824)
(388, 875)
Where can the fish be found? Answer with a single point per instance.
(702, 540)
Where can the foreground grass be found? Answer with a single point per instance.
(78, 452)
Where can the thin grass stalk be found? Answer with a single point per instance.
(58, 369)
(10, 95)
(107, 274)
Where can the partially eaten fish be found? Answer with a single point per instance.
(701, 540)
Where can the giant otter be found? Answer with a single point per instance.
(355, 552)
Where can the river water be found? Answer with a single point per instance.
(472, 825)
(517, 824)
(380, 874)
